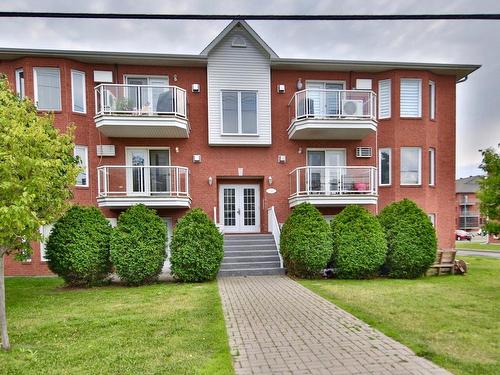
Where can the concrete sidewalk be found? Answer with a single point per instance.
(277, 326)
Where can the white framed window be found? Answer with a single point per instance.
(432, 100)
(20, 83)
(411, 166)
(410, 102)
(45, 232)
(384, 99)
(432, 166)
(239, 112)
(78, 95)
(432, 218)
(385, 166)
(47, 85)
(81, 152)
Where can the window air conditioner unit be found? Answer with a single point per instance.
(106, 150)
(363, 152)
(352, 107)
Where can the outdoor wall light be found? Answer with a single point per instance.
(175, 77)
(300, 85)
(210, 180)
(270, 180)
(177, 150)
(300, 150)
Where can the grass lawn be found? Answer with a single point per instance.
(476, 246)
(157, 329)
(452, 320)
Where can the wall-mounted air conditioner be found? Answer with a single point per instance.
(352, 107)
(363, 152)
(106, 150)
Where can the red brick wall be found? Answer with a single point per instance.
(261, 162)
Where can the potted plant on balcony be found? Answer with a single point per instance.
(124, 105)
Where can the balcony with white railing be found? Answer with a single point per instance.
(332, 114)
(121, 186)
(141, 111)
(333, 186)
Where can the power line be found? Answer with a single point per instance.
(317, 17)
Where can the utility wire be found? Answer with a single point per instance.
(280, 17)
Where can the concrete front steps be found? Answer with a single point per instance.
(250, 255)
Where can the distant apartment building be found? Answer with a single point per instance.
(247, 135)
(467, 205)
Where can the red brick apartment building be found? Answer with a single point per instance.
(247, 135)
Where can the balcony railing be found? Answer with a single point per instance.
(143, 184)
(333, 104)
(140, 100)
(333, 181)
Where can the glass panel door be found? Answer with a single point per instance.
(160, 99)
(249, 206)
(334, 175)
(332, 98)
(136, 97)
(137, 181)
(160, 178)
(315, 177)
(229, 207)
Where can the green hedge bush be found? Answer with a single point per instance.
(411, 240)
(138, 245)
(197, 248)
(78, 246)
(306, 241)
(359, 245)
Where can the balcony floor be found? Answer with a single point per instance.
(149, 201)
(311, 128)
(129, 126)
(323, 200)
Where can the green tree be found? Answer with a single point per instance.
(489, 192)
(37, 170)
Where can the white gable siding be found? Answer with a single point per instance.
(237, 68)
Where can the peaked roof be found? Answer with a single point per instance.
(467, 184)
(246, 26)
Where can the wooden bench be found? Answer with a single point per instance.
(445, 262)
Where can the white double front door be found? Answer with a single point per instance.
(239, 208)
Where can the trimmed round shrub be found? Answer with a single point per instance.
(359, 245)
(306, 241)
(78, 246)
(411, 240)
(197, 248)
(138, 245)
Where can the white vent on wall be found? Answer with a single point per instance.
(352, 107)
(363, 152)
(239, 41)
(103, 76)
(105, 150)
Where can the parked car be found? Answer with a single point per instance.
(462, 235)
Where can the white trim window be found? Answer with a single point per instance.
(432, 100)
(45, 232)
(239, 112)
(432, 166)
(432, 218)
(81, 152)
(20, 83)
(385, 166)
(410, 97)
(411, 166)
(47, 85)
(384, 99)
(78, 94)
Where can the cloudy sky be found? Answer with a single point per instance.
(467, 42)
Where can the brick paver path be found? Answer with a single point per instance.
(277, 326)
